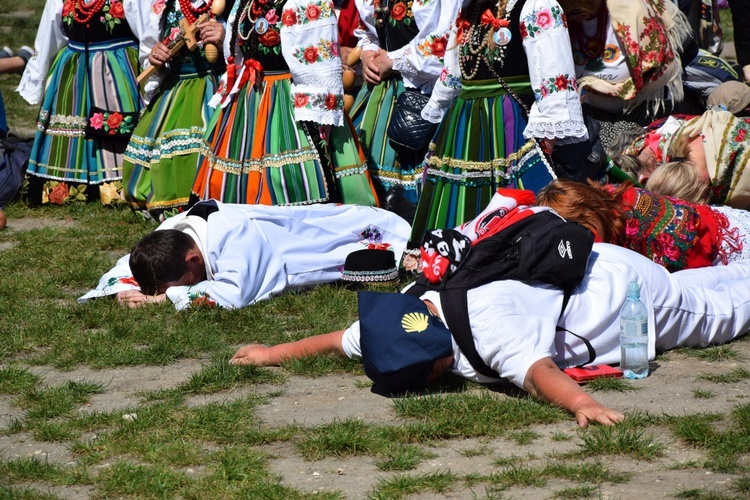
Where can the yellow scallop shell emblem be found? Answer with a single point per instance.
(415, 322)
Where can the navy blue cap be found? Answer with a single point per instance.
(400, 340)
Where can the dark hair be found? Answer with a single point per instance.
(159, 258)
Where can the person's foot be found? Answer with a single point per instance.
(6, 52)
(746, 73)
(25, 53)
(3, 220)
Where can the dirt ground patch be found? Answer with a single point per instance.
(314, 401)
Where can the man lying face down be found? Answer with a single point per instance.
(515, 328)
(235, 255)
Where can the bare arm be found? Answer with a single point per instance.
(545, 381)
(260, 355)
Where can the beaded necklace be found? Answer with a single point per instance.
(260, 24)
(82, 13)
(488, 32)
(192, 13)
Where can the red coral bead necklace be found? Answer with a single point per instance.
(191, 13)
(82, 13)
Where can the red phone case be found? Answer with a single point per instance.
(586, 373)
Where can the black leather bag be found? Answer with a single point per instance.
(407, 129)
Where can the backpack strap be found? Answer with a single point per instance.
(589, 347)
(455, 304)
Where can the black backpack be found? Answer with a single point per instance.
(541, 247)
(14, 158)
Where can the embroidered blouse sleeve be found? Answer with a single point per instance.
(556, 112)
(365, 32)
(419, 61)
(50, 38)
(448, 84)
(310, 46)
(140, 15)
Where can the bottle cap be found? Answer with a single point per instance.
(634, 290)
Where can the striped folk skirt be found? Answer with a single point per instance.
(107, 80)
(371, 114)
(162, 157)
(255, 152)
(478, 147)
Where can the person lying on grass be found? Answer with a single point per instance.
(519, 331)
(235, 255)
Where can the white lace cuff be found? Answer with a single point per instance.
(564, 132)
(432, 113)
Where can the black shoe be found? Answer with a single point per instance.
(396, 202)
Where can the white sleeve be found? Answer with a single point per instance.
(350, 341)
(448, 84)
(419, 61)
(118, 279)
(245, 268)
(556, 112)
(50, 38)
(365, 32)
(310, 47)
(140, 17)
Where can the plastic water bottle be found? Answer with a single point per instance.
(634, 335)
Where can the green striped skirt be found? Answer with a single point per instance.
(255, 152)
(479, 146)
(371, 114)
(61, 151)
(162, 157)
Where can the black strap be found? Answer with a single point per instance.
(455, 305)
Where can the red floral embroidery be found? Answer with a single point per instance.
(128, 281)
(288, 17)
(312, 12)
(113, 121)
(740, 137)
(398, 11)
(301, 100)
(311, 54)
(561, 82)
(116, 10)
(270, 38)
(332, 101)
(438, 46)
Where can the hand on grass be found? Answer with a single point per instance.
(251, 354)
(598, 413)
(134, 298)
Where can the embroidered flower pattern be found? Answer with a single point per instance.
(201, 299)
(112, 123)
(541, 20)
(123, 280)
(305, 14)
(449, 79)
(433, 46)
(320, 102)
(323, 51)
(663, 229)
(112, 13)
(158, 7)
(559, 83)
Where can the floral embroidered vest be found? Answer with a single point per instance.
(266, 47)
(106, 25)
(394, 23)
(514, 63)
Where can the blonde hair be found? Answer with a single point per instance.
(679, 179)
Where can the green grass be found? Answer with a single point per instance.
(711, 353)
(736, 375)
(611, 385)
